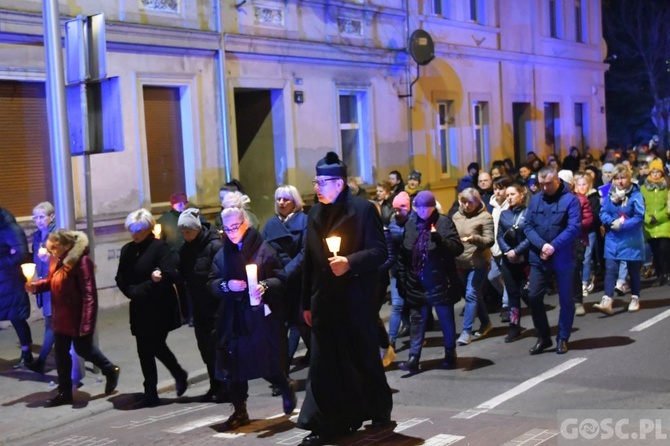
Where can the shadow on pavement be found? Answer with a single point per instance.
(604, 342)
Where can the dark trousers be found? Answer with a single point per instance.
(539, 279)
(149, 348)
(84, 347)
(660, 247)
(417, 327)
(204, 336)
(23, 332)
(612, 272)
(515, 278)
(580, 249)
(239, 390)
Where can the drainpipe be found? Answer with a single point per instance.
(408, 77)
(220, 58)
(61, 163)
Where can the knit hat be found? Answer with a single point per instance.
(190, 219)
(415, 175)
(656, 164)
(608, 167)
(473, 165)
(330, 165)
(425, 198)
(401, 201)
(565, 175)
(178, 197)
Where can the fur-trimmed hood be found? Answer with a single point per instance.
(79, 249)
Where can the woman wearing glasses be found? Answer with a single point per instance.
(250, 320)
(146, 274)
(285, 232)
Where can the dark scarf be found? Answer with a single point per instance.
(420, 248)
(235, 258)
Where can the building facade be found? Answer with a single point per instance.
(260, 90)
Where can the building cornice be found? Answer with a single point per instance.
(289, 48)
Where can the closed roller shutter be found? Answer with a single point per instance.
(24, 147)
(162, 117)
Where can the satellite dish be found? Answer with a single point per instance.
(421, 47)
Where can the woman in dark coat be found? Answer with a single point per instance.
(74, 299)
(146, 275)
(514, 247)
(43, 216)
(201, 243)
(285, 232)
(14, 302)
(428, 277)
(248, 335)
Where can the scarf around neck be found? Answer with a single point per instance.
(420, 248)
(620, 196)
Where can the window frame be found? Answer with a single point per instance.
(362, 126)
(481, 129)
(445, 137)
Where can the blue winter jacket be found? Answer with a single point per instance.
(557, 220)
(627, 243)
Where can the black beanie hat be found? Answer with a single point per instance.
(330, 165)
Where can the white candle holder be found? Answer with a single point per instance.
(334, 244)
(28, 271)
(157, 230)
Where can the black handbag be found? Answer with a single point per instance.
(511, 236)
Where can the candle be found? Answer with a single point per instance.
(157, 230)
(28, 271)
(42, 252)
(252, 283)
(334, 244)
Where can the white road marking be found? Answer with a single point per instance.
(409, 423)
(196, 424)
(518, 390)
(443, 440)
(77, 440)
(652, 321)
(154, 418)
(228, 435)
(533, 437)
(279, 415)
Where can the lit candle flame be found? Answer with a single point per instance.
(157, 230)
(28, 271)
(334, 244)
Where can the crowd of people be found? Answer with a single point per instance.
(252, 290)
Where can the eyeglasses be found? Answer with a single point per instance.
(322, 183)
(234, 228)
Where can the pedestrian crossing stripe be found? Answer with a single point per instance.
(229, 435)
(196, 424)
(443, 440)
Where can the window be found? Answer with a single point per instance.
(165, 151)
(24, 147)
(579, 28)
(553, 18)
(354, 140)
(474, 16)
(437, 7)
(581, 126)
(445, 136)
(480, 120)
(552, 127)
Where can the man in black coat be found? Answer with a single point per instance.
(346, 383)
(14, 303)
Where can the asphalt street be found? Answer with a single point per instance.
(499, 395)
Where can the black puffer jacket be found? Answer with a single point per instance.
(439, 283)
(14, 303)
(195, 263)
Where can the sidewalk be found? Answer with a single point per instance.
(23, 393)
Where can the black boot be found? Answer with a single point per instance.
(238, 419)
(289, 400)
(411, 365)
(59, 400)
(181, 382)
(36, 366)
(26, 359)
(450, 359)
(514, 333)
(112, 379)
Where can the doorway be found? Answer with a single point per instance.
(260, 146)
(523, 131)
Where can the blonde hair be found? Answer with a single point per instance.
(235, 199)
(45, 207)
(582, 176)
(470, 194)
(234, 212)
(139, 220)
(63, 237)
(621, 170)
(293, 194)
